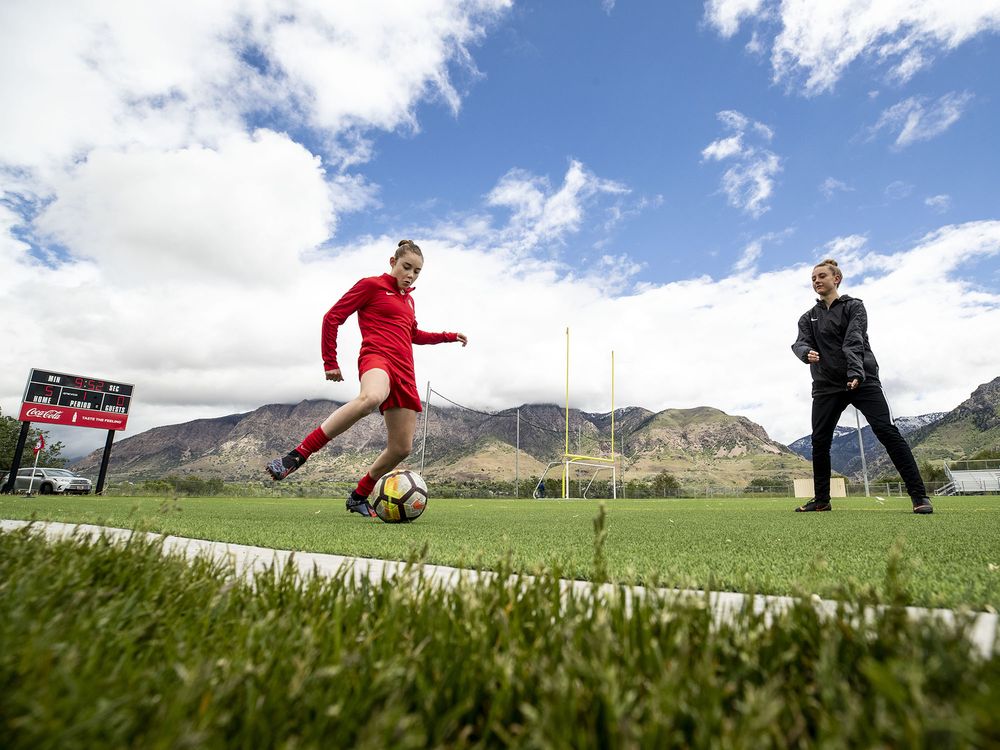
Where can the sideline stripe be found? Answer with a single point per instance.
(247, 561)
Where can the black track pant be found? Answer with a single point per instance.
(870, 401)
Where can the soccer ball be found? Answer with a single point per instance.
(400, 496)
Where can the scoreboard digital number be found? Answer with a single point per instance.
(57, 398)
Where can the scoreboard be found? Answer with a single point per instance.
(57, 398)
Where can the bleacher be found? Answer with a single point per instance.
(971, 477)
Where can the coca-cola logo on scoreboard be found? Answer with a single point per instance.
(39, 414)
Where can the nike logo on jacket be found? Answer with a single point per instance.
(840, 336)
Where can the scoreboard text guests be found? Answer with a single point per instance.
(57, 398)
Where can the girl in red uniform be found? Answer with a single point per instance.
(388, 331)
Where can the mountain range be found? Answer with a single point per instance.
(972, 426)
(845, 455)
(702, 445)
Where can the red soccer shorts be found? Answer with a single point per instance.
(402, 385)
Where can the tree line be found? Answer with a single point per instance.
(10, 430)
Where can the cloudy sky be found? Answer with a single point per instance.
(187, 187)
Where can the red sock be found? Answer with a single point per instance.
(313, 442)
(365, 485)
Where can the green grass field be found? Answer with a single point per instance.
(118, 646)
(951, 559)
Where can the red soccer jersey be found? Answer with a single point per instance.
(387, 321)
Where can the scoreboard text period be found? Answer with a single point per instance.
(57, 398)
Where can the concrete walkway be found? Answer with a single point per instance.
(247, 561)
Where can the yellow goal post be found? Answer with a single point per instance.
(599, 463)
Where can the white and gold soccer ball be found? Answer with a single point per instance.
(400, 496)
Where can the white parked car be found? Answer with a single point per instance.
(48, 481)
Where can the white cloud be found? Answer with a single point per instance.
(817, 41)
(740, 123)
(541, 217)
(749, 257)
(622, 211)
(726, 15)
(119, 75)
(100, 75)
(723, 148)
(939, 203)
(915, 119)
(397, 54)
(749, 185)
(607, 6)
(749, 182)
(233, 215)
(831, 186)
(898, 189)
(849, 246)
(756, 45)
(747, 262)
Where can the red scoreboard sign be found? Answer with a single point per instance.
(57, 398)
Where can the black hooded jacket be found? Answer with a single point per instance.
(840, 335)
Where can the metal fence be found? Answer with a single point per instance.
(854, 489)
(982, 464)
(600, 491)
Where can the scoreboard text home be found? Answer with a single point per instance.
(57, 398)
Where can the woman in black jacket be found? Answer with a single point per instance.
(833, 340)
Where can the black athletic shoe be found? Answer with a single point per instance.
(814, 506)
(922, 506)
(358, 504)
(280, 468)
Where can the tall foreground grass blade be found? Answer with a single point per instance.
(111, 646)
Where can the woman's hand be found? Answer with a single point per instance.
(334, 375)
(462, 337)
(812, 357)
(852, 384)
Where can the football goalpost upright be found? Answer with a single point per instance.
(573, 460)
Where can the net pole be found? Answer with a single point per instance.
(517, 453)
(34, 469)
(565, 480)
(427, 413)
(614, 463)
(861, 449)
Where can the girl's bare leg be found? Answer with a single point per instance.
(401, 424)
(374, 390)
